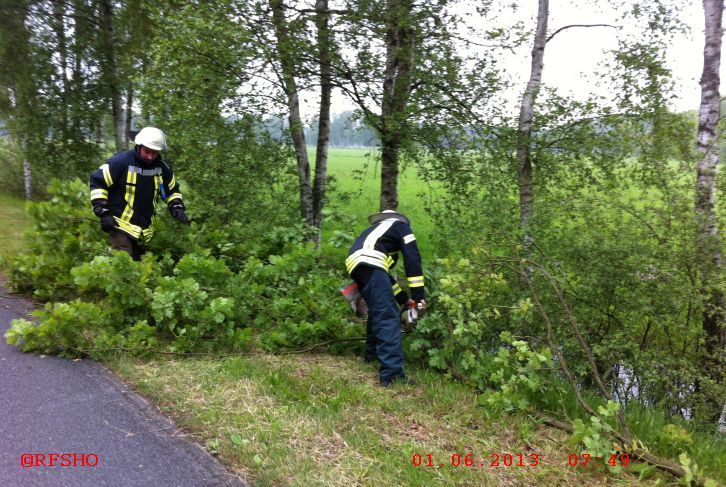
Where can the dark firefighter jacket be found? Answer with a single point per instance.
(378, 247)
(132, 187)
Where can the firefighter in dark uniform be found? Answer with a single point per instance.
(125, 190)
(370, 259)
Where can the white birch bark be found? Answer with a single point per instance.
(524, 128)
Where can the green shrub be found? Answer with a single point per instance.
(64, 235)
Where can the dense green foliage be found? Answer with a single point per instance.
(607, 300)
(276, 293)
(186, 296)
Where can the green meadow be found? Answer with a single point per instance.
(356, 185)
(14, 222)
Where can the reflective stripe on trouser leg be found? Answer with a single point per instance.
(383, 319)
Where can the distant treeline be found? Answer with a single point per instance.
(346, 130)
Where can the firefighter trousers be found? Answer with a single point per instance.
(384, 329)
(120, 241)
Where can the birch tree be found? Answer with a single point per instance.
(396, 93)
(291, 44)
(405, 75)
(708, 242)
(525, 174)
(524, 126)
(18, 88)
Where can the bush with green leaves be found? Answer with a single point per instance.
(65, 329)
(292, 299)
(460, 333)
(466, 333)
(181, 296)
(593, 434)
(64, 234)
(132, 305)
(520, 374)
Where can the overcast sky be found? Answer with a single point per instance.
(574, 56)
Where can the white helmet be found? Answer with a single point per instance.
(152, 138)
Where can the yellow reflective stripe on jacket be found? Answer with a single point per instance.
(416, 281)
(107, 174)
(99, 194)
(147, 233)
(397, 289)
(175, 196)
(368, 256)
(130, 195)
(130, 228)
(134, 230)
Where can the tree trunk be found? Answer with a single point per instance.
(322, 19)
(708, 240)
(396, 93)
(111, 74)
(389, 172)
(129, 113)
(27, 178)
(289, 85)
(145, 116)
(19, 145)
(77, 87)
(19, 88)
(60, 32)
(524, 128)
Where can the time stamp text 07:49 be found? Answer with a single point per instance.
(528, 460)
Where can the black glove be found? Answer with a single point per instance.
(107, 221)
(176, 209)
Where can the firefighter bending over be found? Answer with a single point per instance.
(370, 259)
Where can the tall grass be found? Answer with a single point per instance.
(14, 221)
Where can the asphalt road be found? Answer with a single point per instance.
(50, 405)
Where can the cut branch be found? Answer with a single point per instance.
(664, 464)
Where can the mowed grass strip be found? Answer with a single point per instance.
(14, 221)
(321, 420)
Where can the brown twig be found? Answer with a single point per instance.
(329, 342)
(585, 348)
(576, 25)
(555, 349)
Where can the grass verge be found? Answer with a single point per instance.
(321, 420)
(15, 221)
